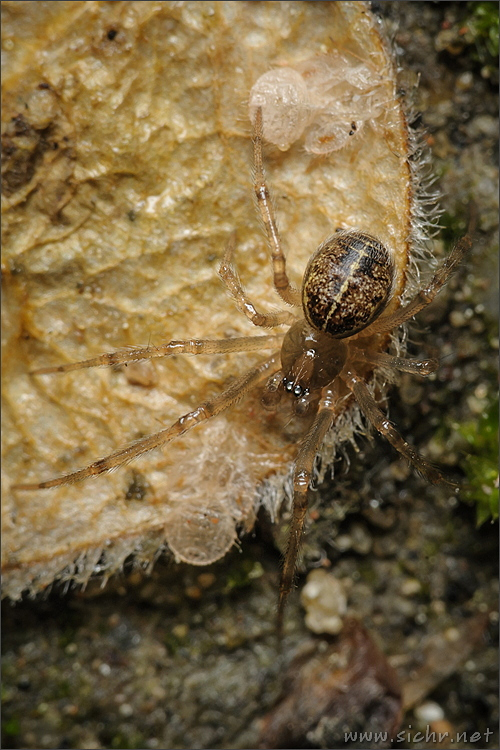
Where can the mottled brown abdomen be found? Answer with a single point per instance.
(347, 283)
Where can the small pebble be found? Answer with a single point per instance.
(429, 711)
(410, 587)
(180, 631)
(438, 607)
(361, 540)
(193, 592)
(464, 81)
(206, 580)
(126, 710)
(483, 125)
(343, 542)
(452, 635)
(476, 405)
(325, 602)
(70, 710)
(400, 469)
(457, 319)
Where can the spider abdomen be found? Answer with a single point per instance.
(347, 283)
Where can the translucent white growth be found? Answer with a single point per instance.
(286, 106)
(330, 97)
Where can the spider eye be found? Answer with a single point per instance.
(297, 390)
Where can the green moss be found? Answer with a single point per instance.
(483, 25)
(453, 226)
(11, 727)
(67, 636)
(476, 32)
(127, 742)
(481, 465)
(430, 548)
(61, 689)
(242, 575)
(174, 642)
(367, 572)
(471, 31)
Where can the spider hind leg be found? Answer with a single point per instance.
(378, 419)
(302, 478)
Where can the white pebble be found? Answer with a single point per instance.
(325, 602)
(428, 712)
(410, 587)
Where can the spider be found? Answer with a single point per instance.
(326, 355)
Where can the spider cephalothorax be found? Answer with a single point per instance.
(327, 352)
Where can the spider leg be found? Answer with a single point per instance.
(244, 304)
(379, 420)
(403, 364)
(302, 477)
(424, 296)
(206, 410)
(286, 291)
(190, 346)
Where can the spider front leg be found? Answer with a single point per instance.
(286, 291)
(302, 478)
(190, 346)
(207, 410)
(243, 302)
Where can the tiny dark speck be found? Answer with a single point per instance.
(132, 216)
(43, 85)
(137, 488)
(24, 683)
(16, 269)
(112, 34)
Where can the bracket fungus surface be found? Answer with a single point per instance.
(127, 166)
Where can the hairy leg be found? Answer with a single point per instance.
(286, 291)
(244, 304)
(403, 364)
(424, 296)
(205, 411)
(302, 477)
(378, 419)
(190, 346)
